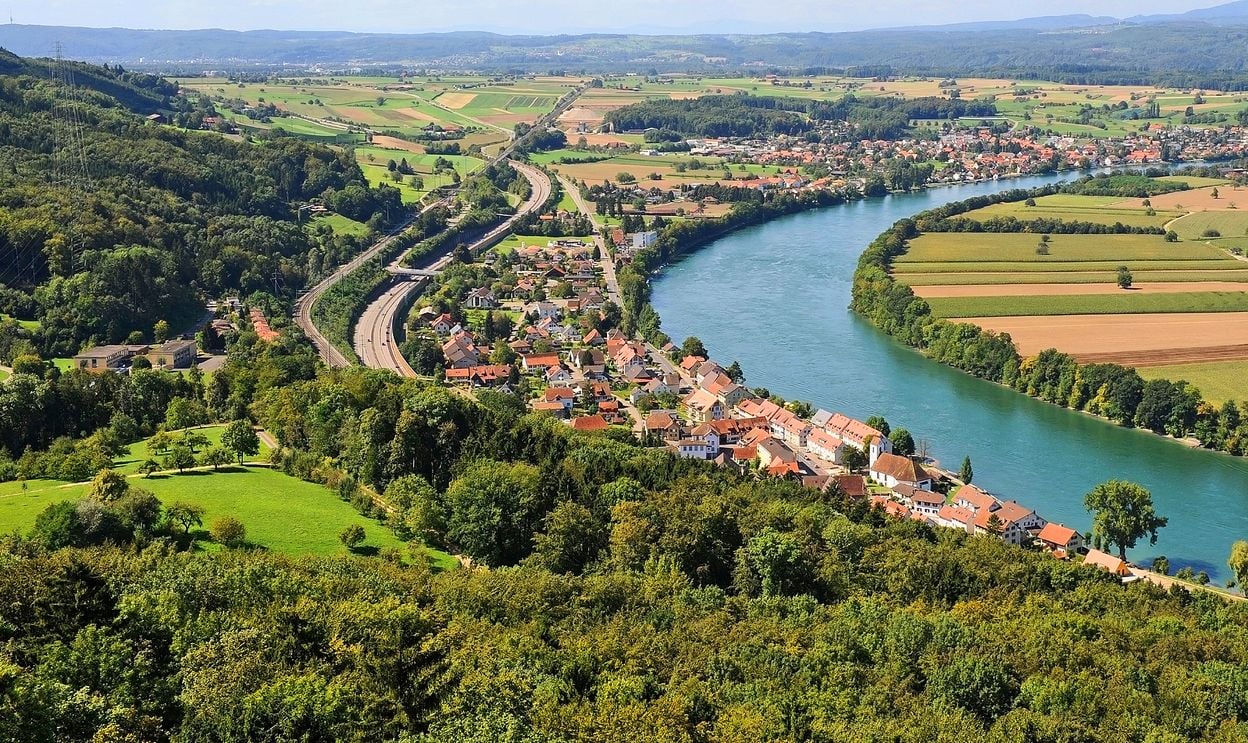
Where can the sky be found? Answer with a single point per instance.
(558, 16)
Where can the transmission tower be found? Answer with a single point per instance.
(70, 169)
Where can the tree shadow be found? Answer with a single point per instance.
(365, 550)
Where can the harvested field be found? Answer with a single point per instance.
(1226, 264)
(1201, 199)
(394, 143)
(1146, 340)
(578, 114)
(456, 100)
(1052, 290)
(1097, 209)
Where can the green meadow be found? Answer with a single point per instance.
(1127, 302)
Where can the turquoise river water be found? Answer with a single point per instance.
(775, 298)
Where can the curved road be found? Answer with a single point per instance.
(375, 342)
(303, 307)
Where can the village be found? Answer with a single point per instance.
(567, 360)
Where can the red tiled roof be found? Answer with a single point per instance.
(903, 469)
(590, 423)
(1056, 534)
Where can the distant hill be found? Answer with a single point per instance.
(1201, 48)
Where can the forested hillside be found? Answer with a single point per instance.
(162, 216)
(749, 116)
(622, 595)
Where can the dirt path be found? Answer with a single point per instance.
(1167, 582)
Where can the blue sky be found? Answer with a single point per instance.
(558, 16)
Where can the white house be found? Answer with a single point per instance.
(891, 470)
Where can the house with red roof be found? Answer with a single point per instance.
(590, 423)
(891, 470)
(1060, 540)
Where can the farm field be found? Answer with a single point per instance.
(903, 270)
(1229, 225)
(980, 247)
(1131, 340)
(1227, 198)
(1142, 277)
(1218, 381)
(1125, 302)
(1097, 209)
(1058, 290)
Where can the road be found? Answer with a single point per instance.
(606, 261)
(375, 341)
(303, 308)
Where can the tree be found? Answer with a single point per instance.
(180, 457)
(693, 347)
(1214, 192)
(878, 423)
(854, 458)
(149, 467)
(185, 514)
(1124, 277)
(161, 331)
(1172, 236)
(228, 531)
(160, 442)
(1122, 514)
(241, 439)
(109, 486)
(215, 456)
(194, 440)
(903, 442)
(28, 363)
(352, 536)
(571, 541)
(967, 473)
(1238, 563)
(734, 372)
(184, 413)
(1161, 564)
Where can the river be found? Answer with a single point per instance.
(775, 298)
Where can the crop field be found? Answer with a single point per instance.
(374, 162)
(980, 248)
(1069, 208)
(1203, 199)
(1218, 381)
(1126, 302)
(941, 291)
(1228, 224)
(1141, 278)
(902, 270)
(1130, 340)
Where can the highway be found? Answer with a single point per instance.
(375, 341)
(303, 307)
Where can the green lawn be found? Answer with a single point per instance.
(31, 325)
(343, 225)
(980, 247)
(1071, 208)
(3, 375)
(1089, 304)
(1218, 381)
(1065, 277)
(281, 513)
(137, 453)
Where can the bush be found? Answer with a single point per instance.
(1211, 233)
(229, 532)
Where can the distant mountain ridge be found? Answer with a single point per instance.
(1199, 48)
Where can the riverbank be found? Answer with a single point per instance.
(772, 296)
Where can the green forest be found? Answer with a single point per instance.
(105, 239)
(618, 593)
(761, 116)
